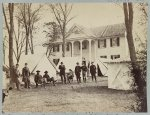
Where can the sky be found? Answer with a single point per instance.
(88, 15)
(91, 14)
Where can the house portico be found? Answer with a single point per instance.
(82, 48)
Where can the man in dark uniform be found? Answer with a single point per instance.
(93, 71)
(47, 77)
(26, 76)
(84, 71)
(62, 72)
(38, 79)
(77, 72)
(16, 75)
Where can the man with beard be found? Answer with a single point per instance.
(26, 76)
(77, 72)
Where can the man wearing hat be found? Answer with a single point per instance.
(93, 71)
(84, 72)
(48, 78)
(38, 79)
(26, 76)
(77, 72)
(62, 72)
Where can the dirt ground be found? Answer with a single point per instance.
(84, 97)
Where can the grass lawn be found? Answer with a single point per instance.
(84, 97)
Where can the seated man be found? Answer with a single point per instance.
(70, 75)
(47, 77)
(39, 79)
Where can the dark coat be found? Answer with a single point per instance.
(47, 77)
(15, 75)
(92, 69)
(77, 70)
(25, 72)
(84, 68)
(38, 78)
(62, 69)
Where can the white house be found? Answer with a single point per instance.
(101, 42)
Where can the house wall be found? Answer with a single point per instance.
(121, 50)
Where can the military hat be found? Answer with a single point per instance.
(26, 63)
(46, 72)
(37, 71)
(77, 63)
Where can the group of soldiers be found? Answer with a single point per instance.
(78, 70)
(39, 79)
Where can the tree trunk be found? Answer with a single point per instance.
(128, 12)
(136, 71)
(63, 47)
(11, 9)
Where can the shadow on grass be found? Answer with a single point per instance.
(99, 90)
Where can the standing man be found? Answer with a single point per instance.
(16, 75)
(62, 73)
(77, 72)
(26, 76)
(84, 72)
(93, 71)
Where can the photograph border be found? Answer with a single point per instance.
(75, 1)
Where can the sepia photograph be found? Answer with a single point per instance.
(74, 57)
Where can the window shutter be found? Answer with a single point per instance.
(79, 45)
(110, 42)
(68, 47)
(118, 43)
(105, 43)
(58, 48)
(98, 43)
(53, 48)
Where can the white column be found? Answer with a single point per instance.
(72, 48)
(81, 48)
(90, 51)
(95, 49)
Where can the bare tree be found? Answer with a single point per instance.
(28, 16)
(10, 29)
(19, 42)
(62, 15)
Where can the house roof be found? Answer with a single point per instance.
(82, 33)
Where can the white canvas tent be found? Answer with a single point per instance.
(45, 64)
(119, 76)
(38, 62)
(103, 67)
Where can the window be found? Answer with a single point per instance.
(102, 43)
(115, 56)
(114, 41)
(68, 47)
(103, 56)
(56, 48)
(84, 45)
